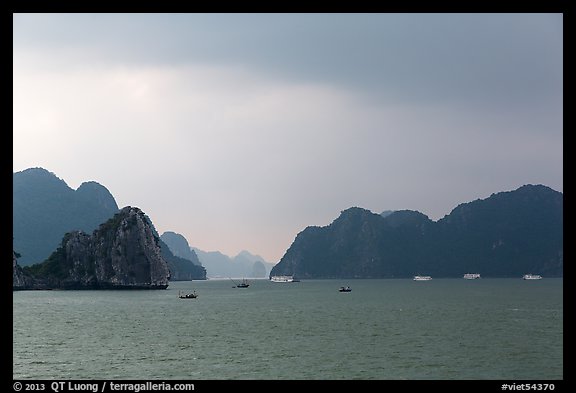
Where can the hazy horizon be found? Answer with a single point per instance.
(240, 130)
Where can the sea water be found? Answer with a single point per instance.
(383, 329)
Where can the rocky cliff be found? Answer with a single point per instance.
(179, 246)
(123, 253)
(19, 279)
(181, 269)
(505, 235)
(183, 261)
(44, 208)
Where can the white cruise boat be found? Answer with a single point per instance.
(532, 277)
(422, 278)
(471, 276)
(282, 278)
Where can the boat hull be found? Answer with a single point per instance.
(282, 279)
(532, 277)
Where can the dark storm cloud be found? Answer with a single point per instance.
(499, 58)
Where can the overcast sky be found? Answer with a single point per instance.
(239, 130)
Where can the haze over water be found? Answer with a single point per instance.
(383, 329)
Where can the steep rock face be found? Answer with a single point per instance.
(506, 235)
(258, 270)
(96, 194)
(183, 262)
(19, 280)
(123, 252)
(44, 209)
(181, 269)
(179, 246)
(359, 244)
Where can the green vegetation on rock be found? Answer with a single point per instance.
(506, 235)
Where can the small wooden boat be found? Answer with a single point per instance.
(192, 295)
(243, 284)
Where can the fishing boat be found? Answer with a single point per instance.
(345, 289)
(192, 295)
(471, 276)
(243, 284)
(422, 278)
(532, 277)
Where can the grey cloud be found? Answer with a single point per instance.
(424, 57)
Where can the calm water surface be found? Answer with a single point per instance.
(383, 329)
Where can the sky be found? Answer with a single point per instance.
(240, 130)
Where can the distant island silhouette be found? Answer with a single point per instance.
(506, 235)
